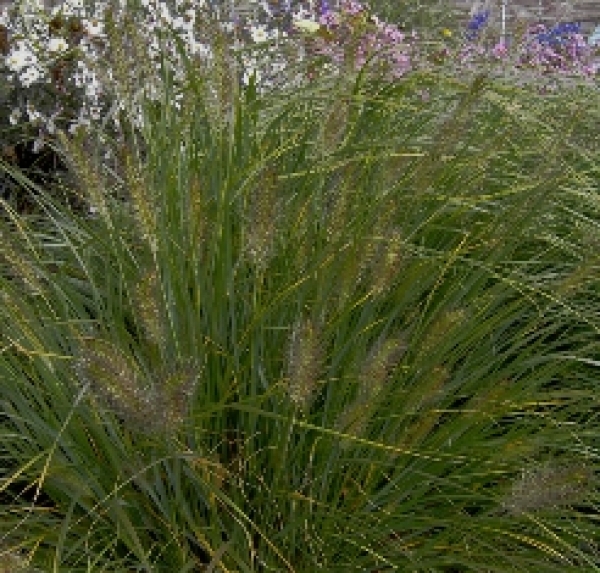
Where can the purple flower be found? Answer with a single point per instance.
(352, 7)
(329, 19)
(477, 22)
(559, 34)
(499, 50)
(324, 8)
(393, 34)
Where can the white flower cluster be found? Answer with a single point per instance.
(36, 53)
(23, 61)
(39, 47)
(74, 33)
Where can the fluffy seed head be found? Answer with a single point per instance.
(440, 329)
(142, 200)
(304, 363)
(381, 250)
(382, 359)
(341, 203)
(88, 174)
(156, 404)
(175, 389)
(388, 264)
(353, 421)
(147, 302)
(261, 221)
(114, 379)
(548, 486)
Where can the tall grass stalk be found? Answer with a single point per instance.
(290, 344)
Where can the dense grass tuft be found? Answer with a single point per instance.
(344, 330)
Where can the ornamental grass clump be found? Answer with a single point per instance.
(65, 68)
(381, 364)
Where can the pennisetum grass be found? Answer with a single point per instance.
(302, 336)
(304, 363)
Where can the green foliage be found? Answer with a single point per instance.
(341, 330)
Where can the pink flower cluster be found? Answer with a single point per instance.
(62, 53)
(351, 37)
(564, 54)
(540, 56)
(354, 37)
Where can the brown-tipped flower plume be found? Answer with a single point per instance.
(374, 375)
(19, 265)
(175, 388)
(88, 174)
(382, 359)
(440, 329)
(141, 198)
(341, 202)
(262, 221)
(388, 264)
(548, 486)
(147, 303)
(384, 252)
(145, 404)
(305, 363)
(115, 379)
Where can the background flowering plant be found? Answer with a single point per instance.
(62, 66)
(561, 49)
(542, 57)
(44, 62)
(476, 24)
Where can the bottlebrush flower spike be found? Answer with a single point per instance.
(305, 363)
(147, 304)
(114, 379)
(374, 375)
(147, 404)
(548, 486)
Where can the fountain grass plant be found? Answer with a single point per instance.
(339, 329)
